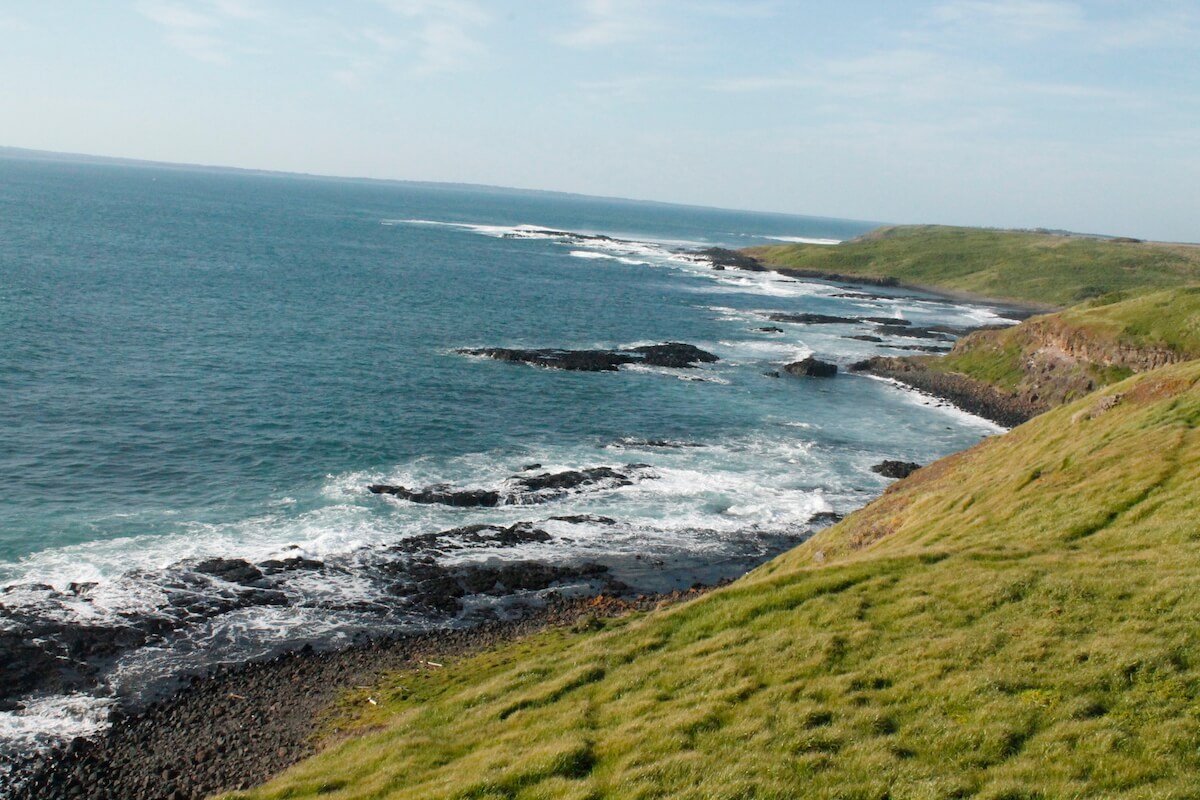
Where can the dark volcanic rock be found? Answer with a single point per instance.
(896, 469)
(864, 337)
(723, 258)
(582, 519)
(970, 395)
(522, 489)
(234, 570)
(914, 332)
(672, 354)
(560, 482)
(920, 348)
(669, 354)
(825, 518)
(812, 319)
(441, 494)
(769, 329)
(574, 360)
(812, 368)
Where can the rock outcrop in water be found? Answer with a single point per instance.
(675, 355)
(51, 643)
(520, 489)
(722, 258)
(895, 469)
(811, 368)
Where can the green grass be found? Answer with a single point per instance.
(1027, 267)
(1018, 620)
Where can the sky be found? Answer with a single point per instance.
(1023, 113)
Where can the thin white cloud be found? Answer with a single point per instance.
(201, 32)
(443, 35)
(1022, 20)
(610, 22)
(177, 18)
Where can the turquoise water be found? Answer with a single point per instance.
(199, 364)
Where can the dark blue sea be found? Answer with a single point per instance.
(201, 371)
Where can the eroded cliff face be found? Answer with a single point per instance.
(1057, 338)
(1013, 374)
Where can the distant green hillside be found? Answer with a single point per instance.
(1016, 621)
(1028, 267)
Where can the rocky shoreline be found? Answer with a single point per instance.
(237, 727)
(974, 397)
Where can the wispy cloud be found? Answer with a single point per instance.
(1021, 20)
(200, 31)
(442, 34)
(607, 23)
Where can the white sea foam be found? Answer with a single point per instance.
(45, 720)
(803, 240)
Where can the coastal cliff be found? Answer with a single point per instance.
(1013, 374)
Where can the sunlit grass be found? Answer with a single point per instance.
(1023, 266)
(1019, 620)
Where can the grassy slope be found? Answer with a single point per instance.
(1016, 620)
(1027, 267)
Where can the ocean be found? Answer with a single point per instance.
(202, 371)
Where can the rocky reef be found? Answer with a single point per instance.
(675, 355)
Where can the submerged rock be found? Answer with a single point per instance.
(812, 368)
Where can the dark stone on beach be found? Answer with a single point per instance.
(769, 329)
(441, 589)
(896, 469)
(248, 722)
(722, 258)
(811, 319)
(812, 368)
(669, 354)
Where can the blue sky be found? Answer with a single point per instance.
(1023, 113)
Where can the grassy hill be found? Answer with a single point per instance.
(1037, 268)
(1018, 620)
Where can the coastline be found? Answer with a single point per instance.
(1014, 309)
(966, 394)
(237, 727)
